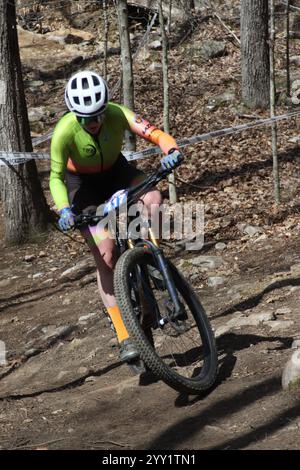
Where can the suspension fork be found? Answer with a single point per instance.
(165, 271)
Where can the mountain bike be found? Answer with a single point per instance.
(161, 311)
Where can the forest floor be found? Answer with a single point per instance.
(63, 385)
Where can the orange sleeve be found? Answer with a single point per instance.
(140, 126)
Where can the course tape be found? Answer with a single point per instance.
(15, 158)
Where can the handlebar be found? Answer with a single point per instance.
(133, 194)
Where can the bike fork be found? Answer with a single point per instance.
(164, 269)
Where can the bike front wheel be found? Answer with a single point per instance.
(181, 352)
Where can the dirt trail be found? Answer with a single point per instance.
(64, 387)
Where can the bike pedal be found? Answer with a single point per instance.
(137, 366)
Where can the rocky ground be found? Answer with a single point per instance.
(63, 385)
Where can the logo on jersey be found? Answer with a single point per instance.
(90, 150)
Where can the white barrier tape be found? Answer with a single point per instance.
(211, 135)
(43, 138)
(14, 156)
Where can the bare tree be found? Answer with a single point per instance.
(127, 74)
(287, 39)
(171, 178)
(105, 21)
(255, 53)
(25, 206)
(272, 104)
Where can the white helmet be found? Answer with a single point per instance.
(86, 94)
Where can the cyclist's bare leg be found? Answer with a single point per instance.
(152, 201)
(103, 250)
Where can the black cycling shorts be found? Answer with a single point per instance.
(87, 191)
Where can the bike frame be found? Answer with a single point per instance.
(152, 244)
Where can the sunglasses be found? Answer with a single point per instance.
(83, 121)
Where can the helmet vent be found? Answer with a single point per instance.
(98, 96)
(87, 100)
(85, 84)
(73, 84)
(76, 99)
(95, 80)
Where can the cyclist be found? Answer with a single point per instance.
(87, 167)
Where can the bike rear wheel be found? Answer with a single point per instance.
(182, 352)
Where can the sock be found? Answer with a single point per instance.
(116, 318)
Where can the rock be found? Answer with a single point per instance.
(206, 262)
(295, 59)
(222, 330)
(88, 279)
(71, 36)
(42, 254)
(283, 311)
(294, 288)
(37, 114)
(53, 332)
(251, 230)
(294, 140)
(84, 318)
(295, 269)
(220, 246)
(291, 371)
(296, 344)
(34, 83)
(217, 102)
(66, 301)
(241, 226)
(281, 325)
(83, 370)
(211, 49)
(252, 320)
(260, 238)
(79, 270)
(62, 374)
(90, 379)
(31, 352)
(155, 45)
(5, 283)
(155, 66)
(55, 38)
(29, 258)
(215, 281)
(37, 275)
(27, 421)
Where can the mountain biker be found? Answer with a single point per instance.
(87, 167)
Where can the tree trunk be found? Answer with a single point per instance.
(255, 53)
(105, 26)
(171, 177)
(127, 74)
(272, 105)
(287, 39)
(25, 212)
